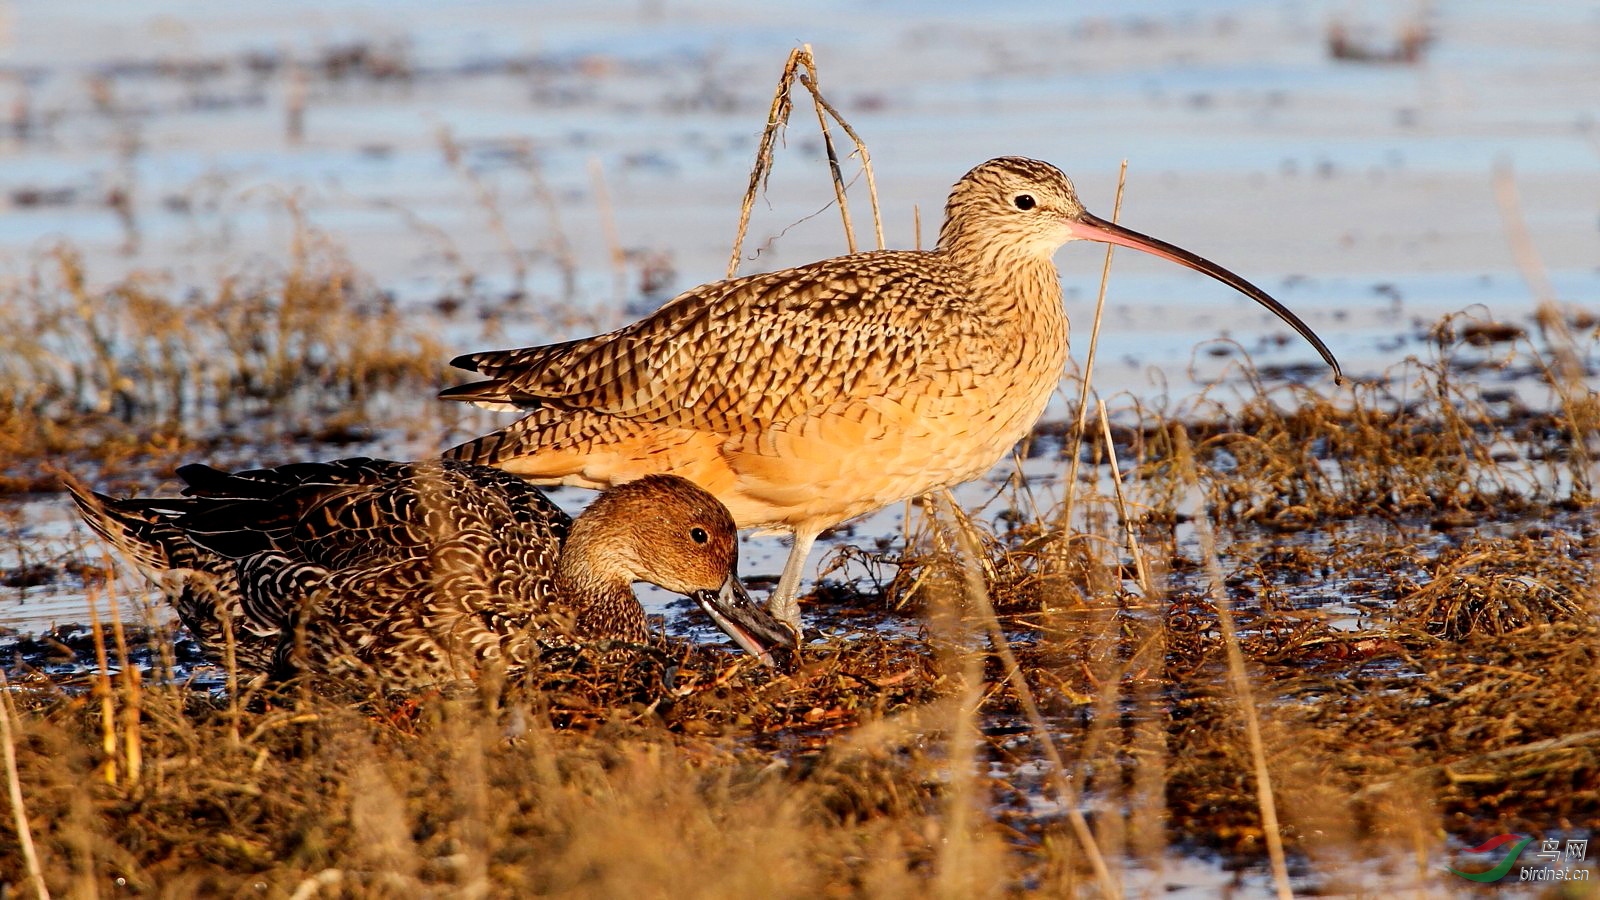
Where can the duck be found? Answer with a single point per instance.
(420, 573)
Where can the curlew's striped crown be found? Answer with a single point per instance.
(1008, 207)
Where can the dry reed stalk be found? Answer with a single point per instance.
(778, 119)
(1134, 550)
(1237, 676)
(471, 789)
(275, 721)
(827, 143)
(131, 702)
(230, 668)
(566, 257)
(761, 169)
(810, 83)
(456, 158)
(19, 813)
(1080, 425)
(608, 227)
(957, 874)
(1148, 747)
(102, 686)
(81, 834)
(1112, 822)
(1066, 791)
(1568, 376)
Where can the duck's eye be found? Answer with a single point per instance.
(698, 535)
(1024, 201)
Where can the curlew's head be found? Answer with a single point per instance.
(669, 532)
(1020, 204)
(1017, 208)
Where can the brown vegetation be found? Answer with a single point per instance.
(1368, 617)
(1455, 702)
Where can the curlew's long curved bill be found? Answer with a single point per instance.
(750, 626)
(1093, 228)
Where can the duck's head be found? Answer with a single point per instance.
(671, 533)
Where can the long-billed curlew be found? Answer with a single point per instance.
(805, 397)
(416, 573)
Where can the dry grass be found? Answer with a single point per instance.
(1408, 567)
(1450, 532)
(572, 785)
(1457, 705)
(137, 370)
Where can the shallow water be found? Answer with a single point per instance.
(1319, 179)
(1359, 195)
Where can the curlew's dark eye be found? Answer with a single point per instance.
(698, 535)
(1024, 201)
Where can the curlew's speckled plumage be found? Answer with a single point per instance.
(422, 572)
(804, 397)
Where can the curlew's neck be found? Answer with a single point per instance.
(1016, 279)
(1002, 258)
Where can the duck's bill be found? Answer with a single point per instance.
(1093, 228)
(750, 626)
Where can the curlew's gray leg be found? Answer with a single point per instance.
(784, 605)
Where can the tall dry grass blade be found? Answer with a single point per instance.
(454, 155)
(1523, 250)
(19, 812)
(1066, 792)
(958, 874)
(1080, 425)
(777, 119)
(561, 244)
(608, 227)
(81, 834)
(230, 668)
(471, 789)
(1149, 748)
(1237, 676)
(102, 686)
(809, 80)
(132, 706)
(1128, 531)
(1568, 376)
(861, 147)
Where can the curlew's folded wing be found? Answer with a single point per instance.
(715, 358)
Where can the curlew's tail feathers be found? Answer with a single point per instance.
(513, 375)
(496, 448)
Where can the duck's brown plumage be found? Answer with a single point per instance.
(415, 572)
